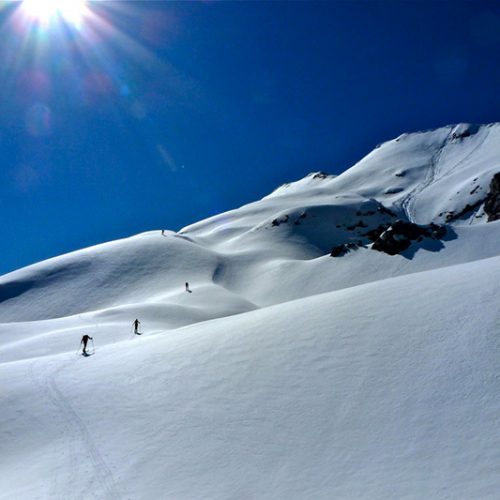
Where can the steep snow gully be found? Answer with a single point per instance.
(289, 371)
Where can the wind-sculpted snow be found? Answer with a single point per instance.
(284, 373)
(382, 391)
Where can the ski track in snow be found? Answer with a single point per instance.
(75, 434)
(474, 213)
(465, 158)
(409, 200)
(207, 404)
(435, 174)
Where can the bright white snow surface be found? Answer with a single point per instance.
(286, 373)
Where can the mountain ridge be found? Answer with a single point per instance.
(317, 213)
(336, 339)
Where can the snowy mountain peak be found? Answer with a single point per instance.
(439, 175)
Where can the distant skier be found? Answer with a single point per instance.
(136, 324)
(163, 232)
(84, 341)
(187, 288)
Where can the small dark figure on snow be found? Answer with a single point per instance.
(136, 324)
(163, 232)
(84, 341)
(187, 288)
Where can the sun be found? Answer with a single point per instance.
(46, 11)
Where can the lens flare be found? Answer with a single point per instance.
(60, 57)
(45, 11)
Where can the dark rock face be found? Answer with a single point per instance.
(277, 222)
(286, 220)
(492, 204)
(321, 175)
(462, 132)
(341, 250)
(437, 232)
(463, 135)
(399, 236)
(375, 234)
(452, 216)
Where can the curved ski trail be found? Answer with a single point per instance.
(409, 200)
(440, 175)
(81, 449)
(434, 174)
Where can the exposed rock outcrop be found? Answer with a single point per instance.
(492, 203)
(341, 250)
(400, 235)
(452, 216)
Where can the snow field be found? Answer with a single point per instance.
(286, 374)
(340, 395)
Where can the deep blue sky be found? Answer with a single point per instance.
(156, 115)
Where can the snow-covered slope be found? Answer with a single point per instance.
(286, 373)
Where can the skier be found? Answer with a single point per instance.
(84, 341)
(163, 232)
(136, 324)
(187, 288)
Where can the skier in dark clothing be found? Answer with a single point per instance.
(136, 324)
(84, 341)
(187, 288)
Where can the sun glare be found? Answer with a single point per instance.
(45, 11)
